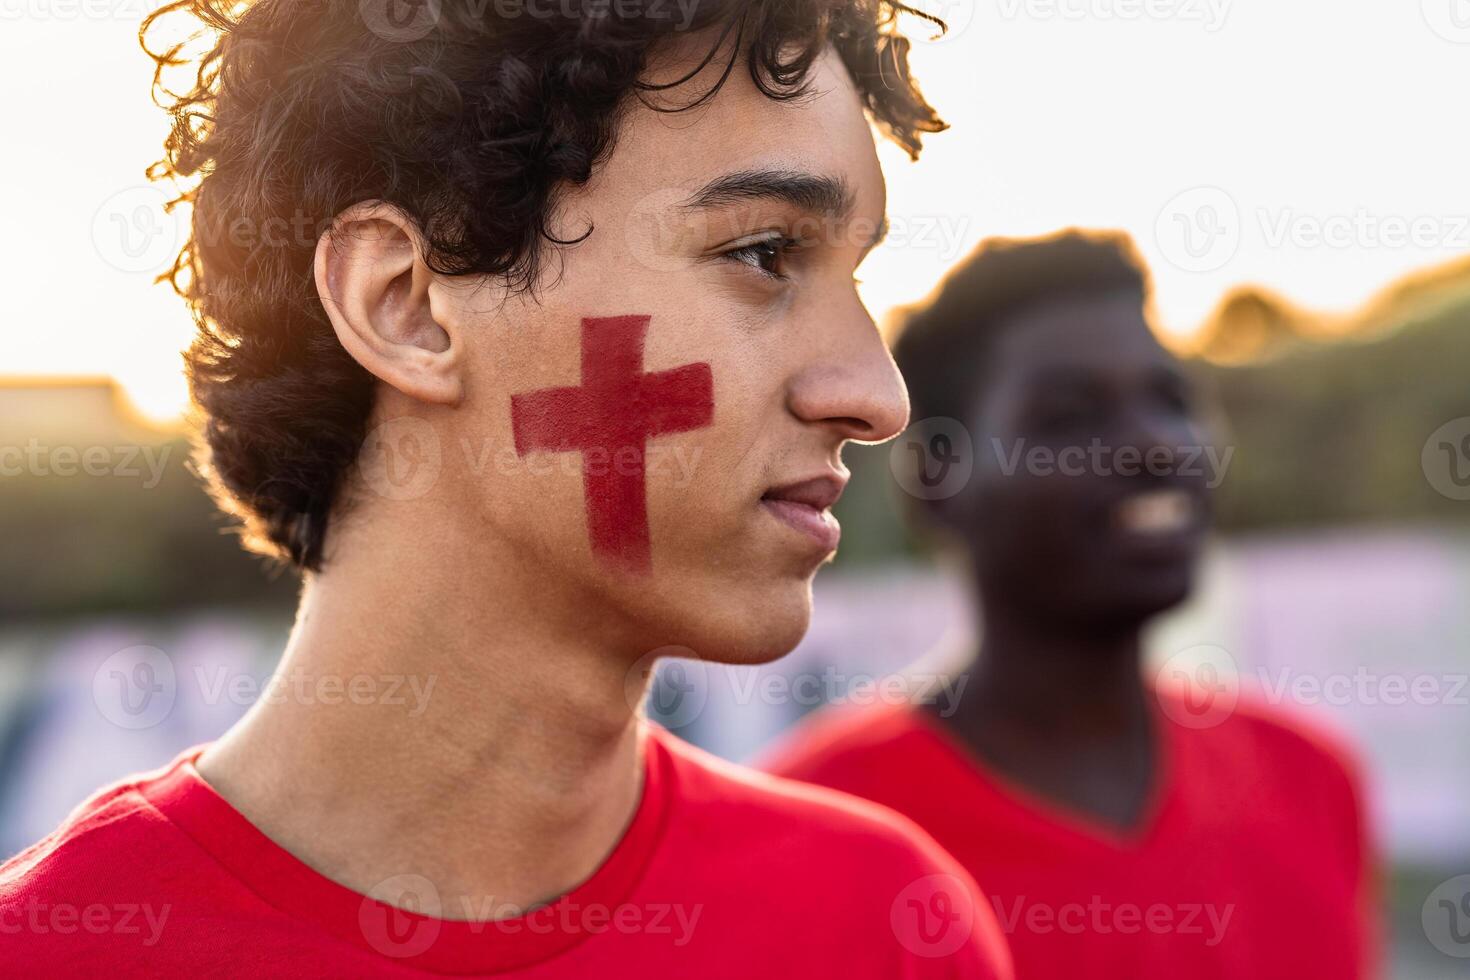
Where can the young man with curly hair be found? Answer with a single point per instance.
(562, 387)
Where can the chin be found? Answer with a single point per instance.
(1149, 596)
(751, 626)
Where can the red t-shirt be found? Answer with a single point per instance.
(1250, 860)
(723, 872)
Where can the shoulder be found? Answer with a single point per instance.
(104, 874)
(843, 853)
(1255, 728)
(774, 804)
(838, 745)
(1272, 749)
(113, 817)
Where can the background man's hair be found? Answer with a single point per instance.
(946, 344)
(301, 109)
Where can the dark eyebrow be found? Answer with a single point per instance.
(814, 193)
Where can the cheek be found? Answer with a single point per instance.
(612, 420)
(1030, 517)
(704, 484)
(533, 502)
(629, 442)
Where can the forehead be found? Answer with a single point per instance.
(739, 129)
(1083, 334)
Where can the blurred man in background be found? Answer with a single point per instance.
(1123, 828)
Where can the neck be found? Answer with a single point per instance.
(489, 747)
(1061, 679)
(1064, 712)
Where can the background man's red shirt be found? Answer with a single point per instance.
(1249, 862)
(722, 873)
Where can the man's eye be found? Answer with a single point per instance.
(1175, 398)
(1068, 416)
(766, 257)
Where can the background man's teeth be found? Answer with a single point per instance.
(1155, 512)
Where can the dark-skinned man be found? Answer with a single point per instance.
(1123, 826)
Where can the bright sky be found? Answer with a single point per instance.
(1315, 147)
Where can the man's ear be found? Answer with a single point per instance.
(374, 285)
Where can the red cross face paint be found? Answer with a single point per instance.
(609, 419)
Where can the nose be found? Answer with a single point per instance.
(1158, 439)
(850, 383)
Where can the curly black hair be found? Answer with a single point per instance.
(468, 120)
(946, 344)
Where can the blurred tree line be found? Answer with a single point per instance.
(78, 544)
(1333, 431)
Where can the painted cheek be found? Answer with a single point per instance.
(609, 419)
